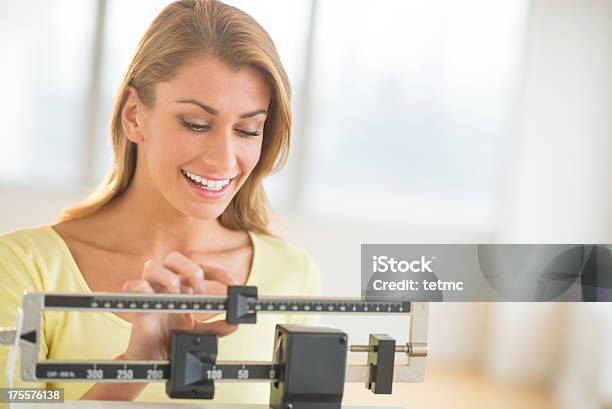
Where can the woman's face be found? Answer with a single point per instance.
(202, 138)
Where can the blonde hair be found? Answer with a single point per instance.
(185, 29)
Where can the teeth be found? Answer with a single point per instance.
(214, 185)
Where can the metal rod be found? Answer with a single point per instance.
(371, 348)
(412, 349)
(7, 335)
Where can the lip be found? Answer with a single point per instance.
(209, 194)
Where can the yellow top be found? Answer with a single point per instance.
(37, 259)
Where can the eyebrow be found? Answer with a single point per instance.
(213, 111)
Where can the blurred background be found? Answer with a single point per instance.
(416, 121)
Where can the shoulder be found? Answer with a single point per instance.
(27, 242)
(282, 260)
(26, 254)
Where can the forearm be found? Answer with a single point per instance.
(114, 391)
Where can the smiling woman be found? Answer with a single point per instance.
(201, 117)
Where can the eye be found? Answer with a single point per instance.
(248, 134)
(193, 127)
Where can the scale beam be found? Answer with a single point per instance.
(295, 345)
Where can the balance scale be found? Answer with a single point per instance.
(308, 367)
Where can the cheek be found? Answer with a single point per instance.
(249, 155)
(166, 150)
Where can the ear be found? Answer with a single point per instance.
(131, 117)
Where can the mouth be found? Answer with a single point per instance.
(202, 183)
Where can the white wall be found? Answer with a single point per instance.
(560, 191)
(560, 188)
(22, 207)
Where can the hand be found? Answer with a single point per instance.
(176, 275)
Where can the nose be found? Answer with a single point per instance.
(218, 152)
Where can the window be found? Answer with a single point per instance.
(45, 80)
(410, 107)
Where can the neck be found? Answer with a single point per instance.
(145, 223)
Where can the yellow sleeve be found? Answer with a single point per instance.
(311, 288)
(16, 277)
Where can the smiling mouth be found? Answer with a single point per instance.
(202, 183)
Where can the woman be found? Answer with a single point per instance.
(201, 117)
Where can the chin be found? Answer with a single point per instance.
(204, 214)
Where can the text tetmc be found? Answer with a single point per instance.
(416, 285)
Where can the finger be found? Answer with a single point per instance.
(210, 288)
(214, 288)
(219, 274)
(187, 269)
(204, 317)
(220, 327)
(137, 286)
(159, 276)
(185, 289)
